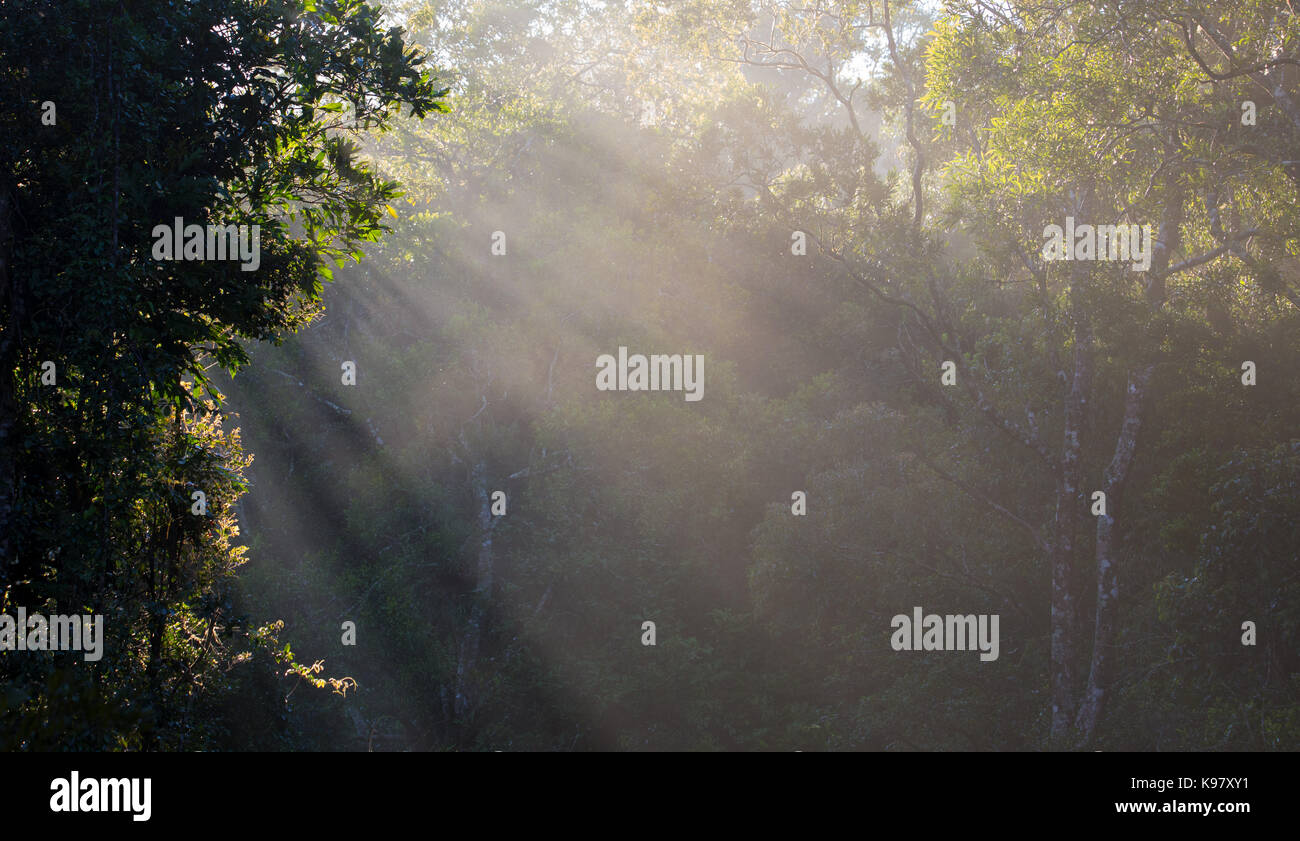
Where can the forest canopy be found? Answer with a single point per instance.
(963, 308)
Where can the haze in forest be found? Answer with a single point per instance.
(1073, 480)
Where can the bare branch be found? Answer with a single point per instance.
(980, 496)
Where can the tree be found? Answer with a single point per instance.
(1062, 127)
(220, 113)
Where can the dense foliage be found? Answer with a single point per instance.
(230, 113)
(630, 174)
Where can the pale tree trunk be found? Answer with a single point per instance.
(1113, 485)
(1115, 479)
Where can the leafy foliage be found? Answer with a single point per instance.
(220, 113)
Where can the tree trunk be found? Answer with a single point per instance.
(467, 655)
(1113, 484)
(1115, 478)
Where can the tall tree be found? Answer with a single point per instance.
(218, 112)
